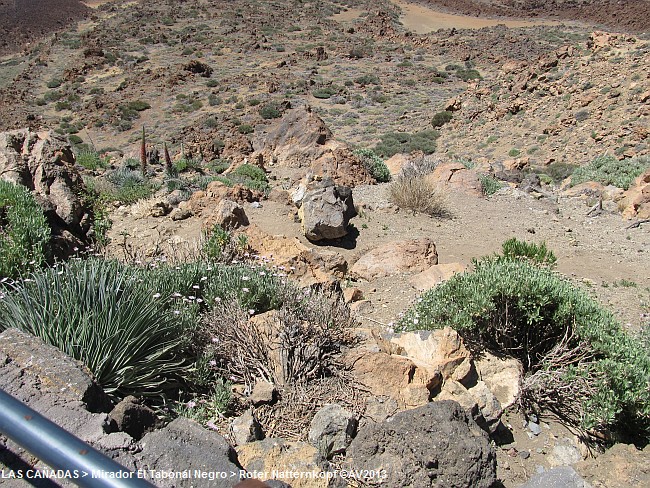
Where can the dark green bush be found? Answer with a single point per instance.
(138, 105)
(324, 93)
(610, 171)
(90, 159)
(129, 186)
(245, 129)
(24, 232)
(578, 361)
(374, 165)
(441, 118)
(270, 111)
(250, 171)
(404, 142)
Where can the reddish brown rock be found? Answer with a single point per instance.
(396, 257)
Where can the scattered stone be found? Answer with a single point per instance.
(134, 418)
(563, 477)
(362, 307)
(264, 393)
(565, 454)
(246, 428)
(534, 428)
(332, 429)
(180, 214)
(160, 208)
(503, 376)
(433, 445)
(621, 466)
(352, 295)
(524, 454)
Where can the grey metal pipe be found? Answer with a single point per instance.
(61, 450)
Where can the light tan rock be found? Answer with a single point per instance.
(636, 200)
(456, 176)
(227, 214)
(352, 295)
(393, 376)
(280, 455)
(396, 257)
(435, 275)
(502, 376)
(439, 350)
(396, 163)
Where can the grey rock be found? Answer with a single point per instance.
(332, 429)
(31, 369)
(132, 417)
(180, 214)
(565, 454)
(429, 446)
(229, 215)
(160, 208)
(185, 445)
(562, 477)
(534, 428)
(325, 212)
(246, 428)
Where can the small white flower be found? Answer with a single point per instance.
(191, 404)
(192, 297)
(251, 312)
(204, 278)
(199, 300)
(416, 321)
(217, 299)
(215, 339)
(245, 278)
(156, 295)
(177, 312)
(245, 290)
(213, 363)
(176, 295)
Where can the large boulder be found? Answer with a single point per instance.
(413, 255)
(325, 212)
(301, 140)
(44, 163)
(431, 446)
(636, 200)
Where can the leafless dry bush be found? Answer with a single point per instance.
(564, 380)
(298, 342)
(418, 195)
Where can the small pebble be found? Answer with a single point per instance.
(534, 428)
(524, 454)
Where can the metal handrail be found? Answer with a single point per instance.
(61, 450)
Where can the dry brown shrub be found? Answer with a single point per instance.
(418, 195)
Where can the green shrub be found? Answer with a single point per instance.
(129, 186)
(90, 160)
(489, 184)
(245, 129)
(100, 313)
(558, 171)
(54, 83)
(324, 93)
(578, 362)
(185, 164)
(24, 232)
(537, 254)
(251, 172)
(514, 152)
(441, 118)
(138, 105)
(367, 80)
(270, 111)
(468, 74)
(218, 165)
(374, 165)
(403, 142)
(610, 171)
